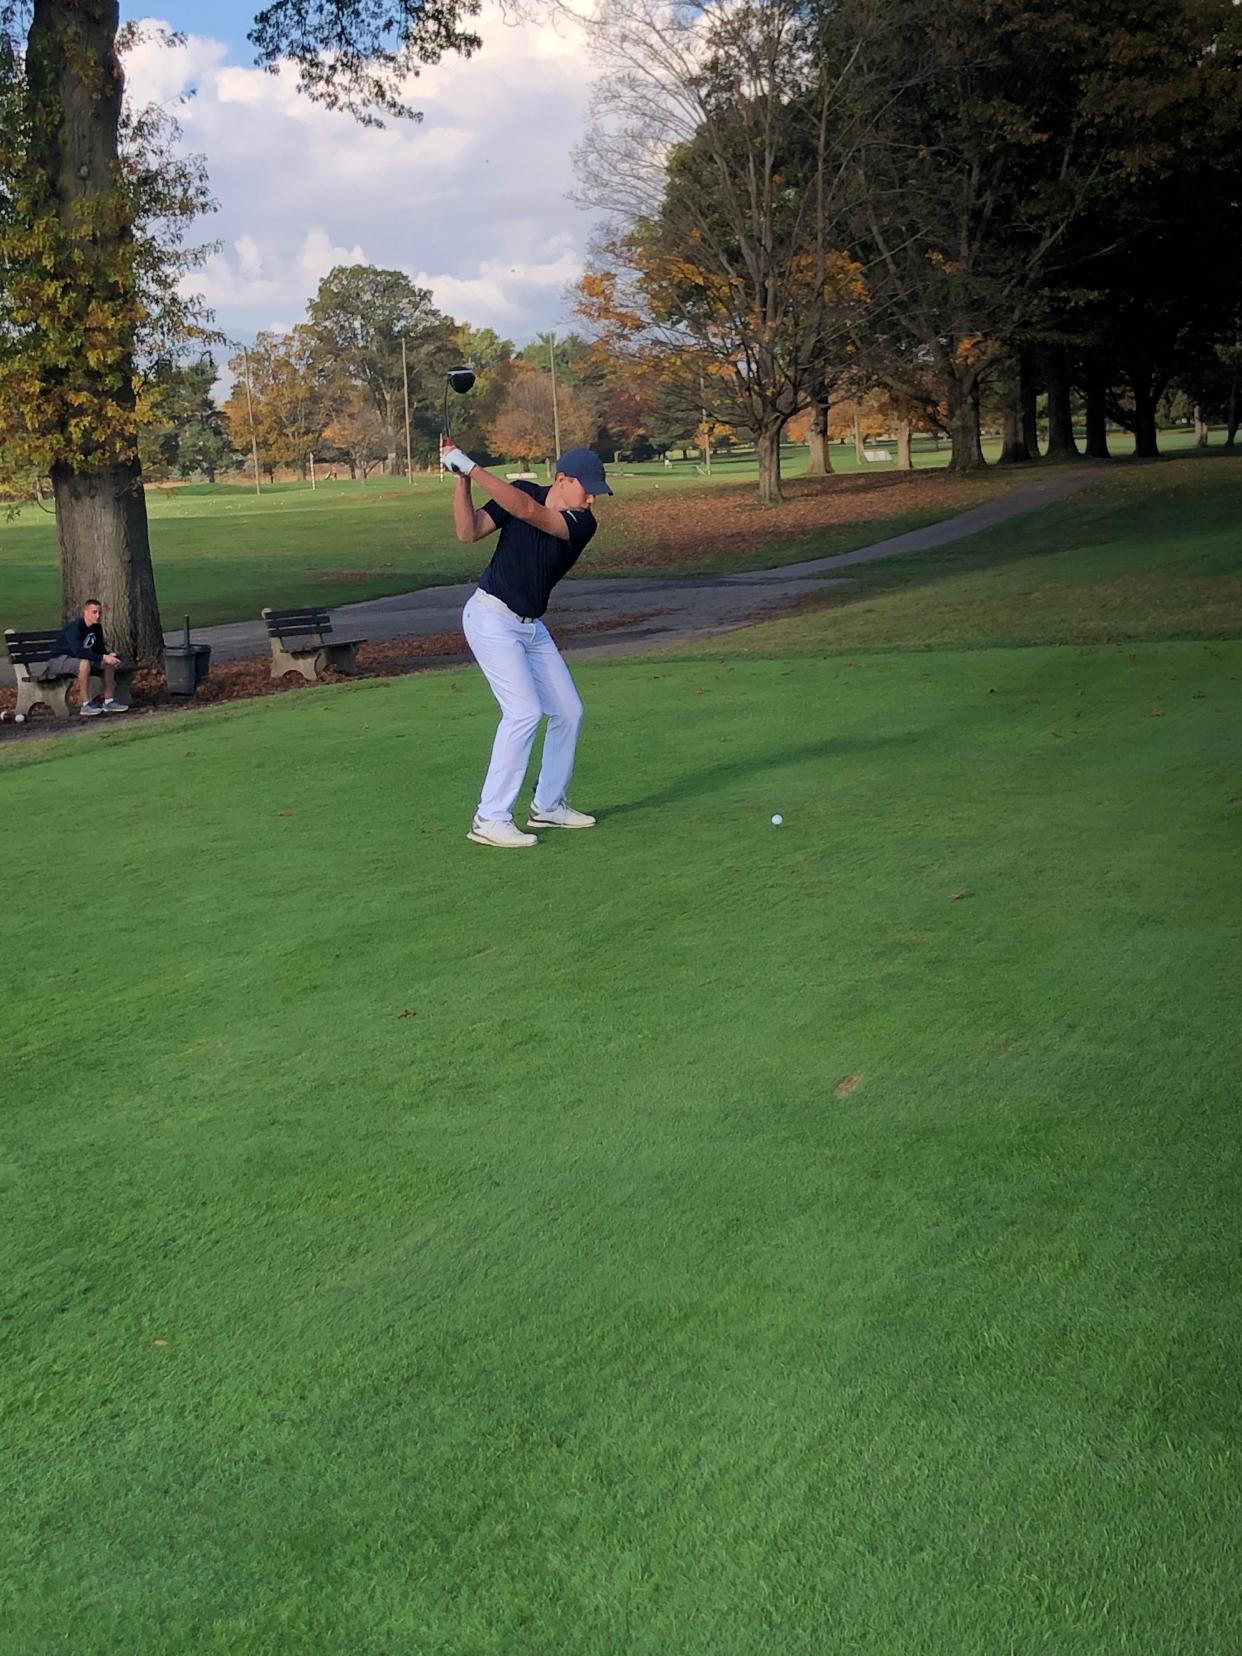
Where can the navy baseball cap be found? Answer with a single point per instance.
(587, 467)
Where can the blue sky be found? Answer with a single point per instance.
(470, 203)
(227, 20)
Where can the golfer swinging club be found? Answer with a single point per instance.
(542, 533)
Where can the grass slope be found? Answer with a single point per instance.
(1147, 553)
(411, 1248)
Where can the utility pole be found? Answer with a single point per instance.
(707, 436)
(405, 386)
(556, 418)
(254, 447)
(312, 470)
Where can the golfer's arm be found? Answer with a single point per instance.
(469, 524)
(519, 504)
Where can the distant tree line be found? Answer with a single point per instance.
(975, 207)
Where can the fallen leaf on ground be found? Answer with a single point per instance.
(843, 1089)
(286, 813)
(160, 1342)
(1157, 713)
(410, 1012)
(956, 896)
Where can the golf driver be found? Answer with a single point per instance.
(460, 380)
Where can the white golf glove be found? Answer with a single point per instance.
(455, 461)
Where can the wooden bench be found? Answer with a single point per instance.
(877, 456)
(303, 642)
(31, 653)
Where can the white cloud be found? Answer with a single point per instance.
(470, 202)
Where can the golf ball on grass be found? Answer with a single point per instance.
(777, 820)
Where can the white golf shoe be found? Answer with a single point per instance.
(507, 836)
(559, 816)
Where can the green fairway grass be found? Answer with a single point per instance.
(691, 1236)
(221, 553)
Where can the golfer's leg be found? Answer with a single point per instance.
(109, 682)
(560, 700)
(496, 643)
(84, 681)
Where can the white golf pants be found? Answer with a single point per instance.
(529, 679)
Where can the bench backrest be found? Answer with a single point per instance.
(297, 623)
(30, 649)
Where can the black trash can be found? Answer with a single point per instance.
(186, 665)
(179, 664)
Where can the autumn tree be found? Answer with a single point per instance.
(717, 141)
(90, 251)
(525, 425)
(280, 391)
(93, 205)
(356, 429)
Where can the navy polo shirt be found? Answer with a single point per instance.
(528, 562)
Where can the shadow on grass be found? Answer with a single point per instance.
(715, 777)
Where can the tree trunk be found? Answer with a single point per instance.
(101, 523)
(1201, 428)
(76, 89)
(858, 439)
(1097, 416)
(1028, 399)
(1231, 425)
(818, 463)
(905, 461)
(1061, 444)
(1146, 402)
(967, 453)
(1014, 451)
(768, 450)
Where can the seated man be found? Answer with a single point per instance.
(81, 649)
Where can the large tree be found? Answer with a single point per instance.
(83, 260)
(718, 144)
(360, 320)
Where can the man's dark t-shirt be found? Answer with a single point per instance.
(77, 639)
(528, 562)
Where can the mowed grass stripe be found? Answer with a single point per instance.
(575, 1310)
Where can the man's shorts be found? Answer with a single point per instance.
(67, 665)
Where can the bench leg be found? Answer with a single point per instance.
(54, 696)
(283, 662)
(342, 658)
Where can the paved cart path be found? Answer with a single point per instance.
(678, 607)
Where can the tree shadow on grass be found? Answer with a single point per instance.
(696, 784)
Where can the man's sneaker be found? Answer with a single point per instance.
(114, 706)
(91, 709)
(507, 835)
(559, 816)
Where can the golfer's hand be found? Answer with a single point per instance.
(454, 460)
